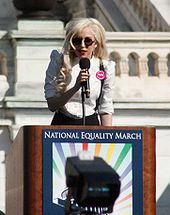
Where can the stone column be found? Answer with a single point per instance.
(33, 42)
(3, 75)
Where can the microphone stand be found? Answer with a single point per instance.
(84, 92)
(84, 65)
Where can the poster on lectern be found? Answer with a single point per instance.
(121, 149)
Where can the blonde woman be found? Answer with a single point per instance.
(85, 38)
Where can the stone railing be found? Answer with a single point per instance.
(150, 17)
(142, 66)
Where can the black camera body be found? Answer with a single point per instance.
(93, 184)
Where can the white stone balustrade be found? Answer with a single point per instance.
(143, 86)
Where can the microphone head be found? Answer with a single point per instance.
(84, 63)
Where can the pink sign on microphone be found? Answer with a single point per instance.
(101, 75)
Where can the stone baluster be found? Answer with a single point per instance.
(141, 8)
(155, 23)
(143, 66)
(162, 66)
(145, 15)
(138, 5)
(151, 24)
(124, 68)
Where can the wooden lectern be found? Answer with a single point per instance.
(26, 166)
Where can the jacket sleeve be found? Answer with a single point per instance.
(106, 100)
(56, 59)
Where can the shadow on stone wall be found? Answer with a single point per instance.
(1, 213)
(163, 203)
(5, 142)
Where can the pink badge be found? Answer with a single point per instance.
(100, 75)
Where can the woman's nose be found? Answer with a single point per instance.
(83, 43)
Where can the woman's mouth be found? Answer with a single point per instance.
(82, 52)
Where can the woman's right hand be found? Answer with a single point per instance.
(82, 77)
(56, 102)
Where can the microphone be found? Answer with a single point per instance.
(84, 63)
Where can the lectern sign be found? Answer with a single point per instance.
(121, 149)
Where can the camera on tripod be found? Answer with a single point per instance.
(93, 186)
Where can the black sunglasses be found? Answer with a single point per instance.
(77, 41)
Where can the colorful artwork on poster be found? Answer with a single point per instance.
(118, 156)
(121, 149)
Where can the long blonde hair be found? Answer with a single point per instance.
(73, 28)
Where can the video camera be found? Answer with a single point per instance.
(93, 186)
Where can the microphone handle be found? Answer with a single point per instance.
(83, 87)
(87, 86)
